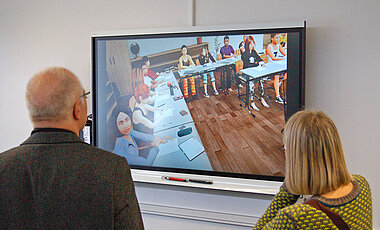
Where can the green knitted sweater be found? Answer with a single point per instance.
(355, 209)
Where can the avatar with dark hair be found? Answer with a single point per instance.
(227, 51)
(146, 70)
(251, 58)
(185, 61)
(242, 44)
(149, 75)
(127, 147)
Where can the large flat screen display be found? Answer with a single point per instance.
(197, 101)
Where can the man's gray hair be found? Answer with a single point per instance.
(51, 94)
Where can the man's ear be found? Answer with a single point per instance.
(77, 113)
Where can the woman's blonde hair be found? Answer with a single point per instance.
(314, 155)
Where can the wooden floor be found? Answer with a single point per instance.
(234, 140)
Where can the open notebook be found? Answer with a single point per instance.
(191, 148)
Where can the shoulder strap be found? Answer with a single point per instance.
(334, 217)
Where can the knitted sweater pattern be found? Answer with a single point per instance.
(355, 209)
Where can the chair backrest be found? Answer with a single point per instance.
(239, 65)
(197, 61)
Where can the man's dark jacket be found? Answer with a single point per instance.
(56, 181)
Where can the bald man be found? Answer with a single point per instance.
(54, 180)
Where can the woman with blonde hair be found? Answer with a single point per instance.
(315, 165)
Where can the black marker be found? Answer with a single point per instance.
(200, 181)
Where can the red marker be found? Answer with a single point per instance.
(176, 179)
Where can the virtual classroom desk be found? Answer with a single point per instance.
(270, 69)
(224, 65)
(169, 122)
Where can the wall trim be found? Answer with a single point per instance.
(200, 215)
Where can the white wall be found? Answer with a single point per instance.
(342, 71)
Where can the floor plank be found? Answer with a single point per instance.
(234, 140)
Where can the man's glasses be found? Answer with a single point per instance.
(84, 95)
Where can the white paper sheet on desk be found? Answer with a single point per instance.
(191, 148)
(168, 112)
(169, 147)
(162, 85)
(163, 97)
(162, 89)
(168, 77)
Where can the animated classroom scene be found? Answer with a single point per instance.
(212, 103)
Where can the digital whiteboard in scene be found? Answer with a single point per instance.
(199, 106)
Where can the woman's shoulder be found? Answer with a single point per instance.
(298, 212)
(269, 47)
(301, 212)
(138, 108)
(303, 216)
(363, 183)
(298, 209)
(120, 140)
(360, 179)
